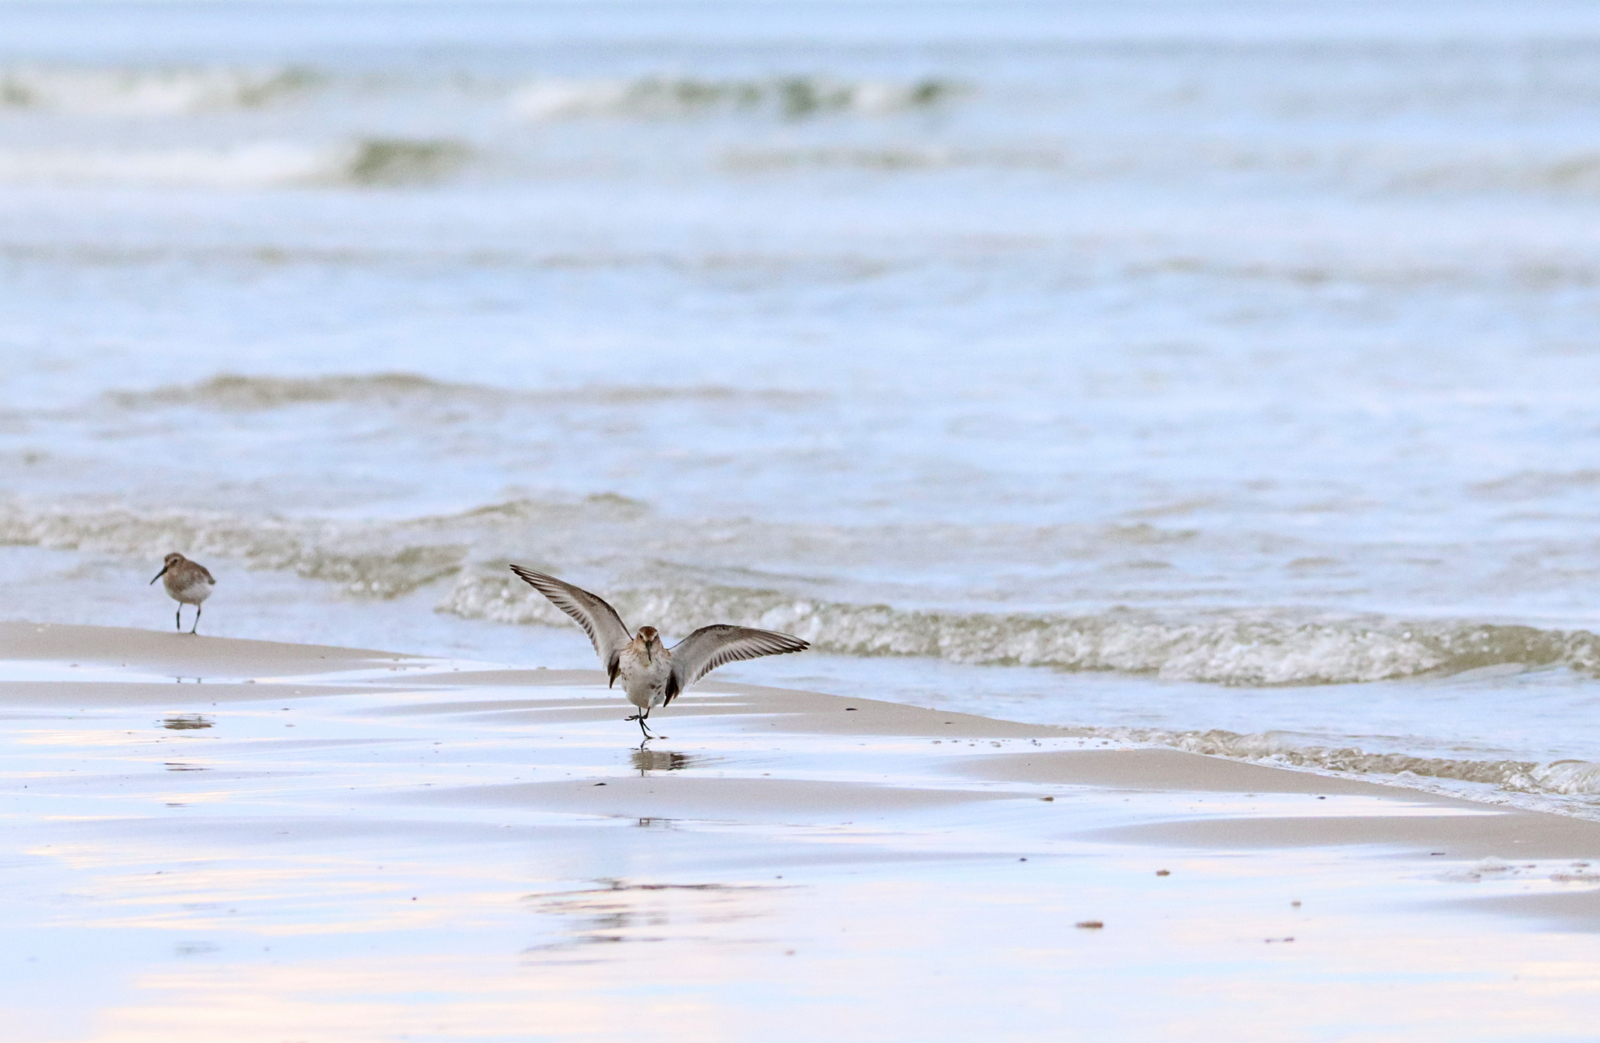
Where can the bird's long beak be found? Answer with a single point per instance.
(163, 572)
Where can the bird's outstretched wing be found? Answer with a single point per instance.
(598, 619)
(710, 647)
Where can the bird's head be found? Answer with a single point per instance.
(650, 638)
(168, 562)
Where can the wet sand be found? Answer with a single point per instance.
(208, 839)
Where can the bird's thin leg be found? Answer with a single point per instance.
(642, 728)
(197, 610)
(179, 618)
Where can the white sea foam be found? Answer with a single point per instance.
(791, 97)
(176, 91)
(1571, 786)
(234, 391)
(146, 91)
(264, 164)
(1222, 648)
(244, 166)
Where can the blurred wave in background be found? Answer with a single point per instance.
(1203, 372)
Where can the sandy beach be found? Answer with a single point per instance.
(209, 839)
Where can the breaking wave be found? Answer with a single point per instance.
(364, 161)
(188, 90)
(465, 554)
(265, 164)
(400, 161)
(236, 392)
(242, 393)
(150, 92)
(1562, 778)
(362, 559)
(1223, 648)
(890, 159)
(1363, 168)
(788, 97)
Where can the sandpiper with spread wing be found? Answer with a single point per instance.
(652, 674)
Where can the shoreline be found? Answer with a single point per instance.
(238, 852)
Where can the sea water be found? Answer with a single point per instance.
(1220, 374)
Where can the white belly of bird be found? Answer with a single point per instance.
(644, 680)
(193, 594)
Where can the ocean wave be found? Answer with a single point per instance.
(1363, 166)
(1220, 648)
(1534, 273)
(1359, 166)
(261, 164)
(364, 560)
(235, 392)
(465, 553)
(265, 164)
(790, 97)
(400, 161)
(1573, 173)
(1561, 778)
(892, 158)
(377, 559)
(150, 92)
(186, 90)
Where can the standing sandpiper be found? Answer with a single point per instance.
(652, 674)
(189, 584)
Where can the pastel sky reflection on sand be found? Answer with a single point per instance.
(695, 964)
(403, 867)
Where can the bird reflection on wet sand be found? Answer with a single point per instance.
(622, 912)
(661, 760)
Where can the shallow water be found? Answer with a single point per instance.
(1168, 370)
